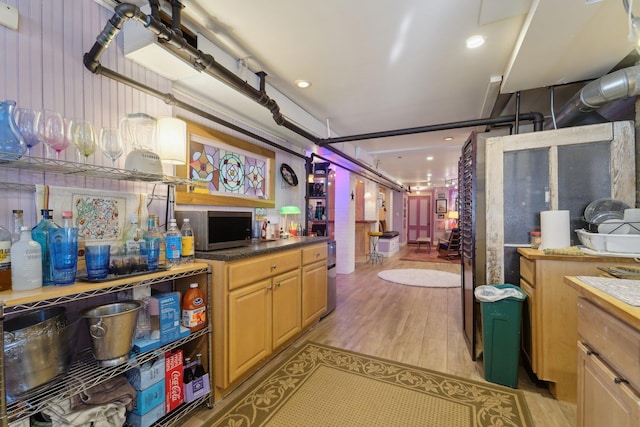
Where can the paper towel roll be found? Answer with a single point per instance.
(556, 233)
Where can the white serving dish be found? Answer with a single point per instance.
(618, 243)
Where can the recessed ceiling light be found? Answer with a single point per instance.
(429, 157)
(429, 175)
(475, 41)
(448, 138)
(303, 84)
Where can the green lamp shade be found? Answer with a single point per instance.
(289, 210)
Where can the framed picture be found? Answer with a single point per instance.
(441, 216)
(226, 171)
(441, 206)
(441, 196)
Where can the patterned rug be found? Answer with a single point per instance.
(423, 255)
(325, 386)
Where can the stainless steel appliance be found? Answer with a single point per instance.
(331, 278)
(218, 229)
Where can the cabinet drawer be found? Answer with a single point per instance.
(528, 270)
(253, 269)
(616, 343)
(314, 253)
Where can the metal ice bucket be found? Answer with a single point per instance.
(36, 349)
(112, 328)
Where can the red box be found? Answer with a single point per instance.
(173, 379)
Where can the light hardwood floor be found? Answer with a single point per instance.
(417, 326)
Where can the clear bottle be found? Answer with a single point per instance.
(153, 240)
(26, 271)
(133, 235)
(40, 233)
(162, 259)
(18, 222)
(5, 259)
(188, 248)
(63, 244)
(173, 238)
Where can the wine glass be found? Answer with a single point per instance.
(28, 121)
(52, 132)
(111, 144)
(83, 135)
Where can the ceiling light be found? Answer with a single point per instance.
(429, 157)
(303, 84)
(448, 138)
(475, 41)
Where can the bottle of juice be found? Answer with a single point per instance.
(194, 309)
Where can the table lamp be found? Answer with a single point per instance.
(288, 210)
(454, 216)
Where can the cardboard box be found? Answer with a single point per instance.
(147, 419)
(146, 375)
(149, 398)
(197, 388)
(165, 323)
(174, 387)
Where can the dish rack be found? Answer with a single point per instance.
(607, 242)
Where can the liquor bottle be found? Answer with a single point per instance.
(132, 236)
(26, 271)
(162, 259)
(40, 233)
(5, 259)
(153, 240)
(63, 244)
(18, 222)
(199, 370)
(173, 237)
(188, 249)
(188, 373)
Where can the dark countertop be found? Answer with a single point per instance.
(258, 247)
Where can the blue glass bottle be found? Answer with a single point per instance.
(12, 145)
(63, 243)
(40, 233)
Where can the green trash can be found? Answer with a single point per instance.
(501, 307)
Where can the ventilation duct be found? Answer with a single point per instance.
(614, 86)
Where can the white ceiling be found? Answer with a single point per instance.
(379, 65)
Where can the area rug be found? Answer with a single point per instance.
(423, 255)
(325, 386)
(421, 277)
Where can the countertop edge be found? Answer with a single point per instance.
(531, 253)
(259, 248)
(620, 309)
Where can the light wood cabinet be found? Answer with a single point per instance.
(550, 342)
(607, 370)
(314, 283)
(261, 303)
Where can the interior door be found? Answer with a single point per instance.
(419, 217)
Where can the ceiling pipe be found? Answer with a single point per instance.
(620, 84)
(536, 118)
(176, 43)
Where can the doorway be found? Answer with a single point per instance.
(419, 217)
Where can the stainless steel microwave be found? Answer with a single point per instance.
(218, 229)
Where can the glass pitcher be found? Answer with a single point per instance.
(12, 145)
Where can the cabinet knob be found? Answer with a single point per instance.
(273, 266)
(620, 380)
(269, 287)
(278, 285)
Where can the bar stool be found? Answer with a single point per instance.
(374, 255)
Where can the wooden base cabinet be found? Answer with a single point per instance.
(261, 303)
(550, 330)
(608, 369)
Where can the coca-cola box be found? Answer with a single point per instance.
(173, 379)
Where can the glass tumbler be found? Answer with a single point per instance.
(63, 244)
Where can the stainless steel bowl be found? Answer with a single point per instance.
(36, 349)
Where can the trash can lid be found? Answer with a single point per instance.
(490, 293)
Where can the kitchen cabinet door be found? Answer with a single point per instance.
(249, 327)
(314, 292)
(603, 400)
(286, 307)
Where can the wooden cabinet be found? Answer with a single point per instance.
(550, 330)
(608, 369)
(257, 309)
(314, 283)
